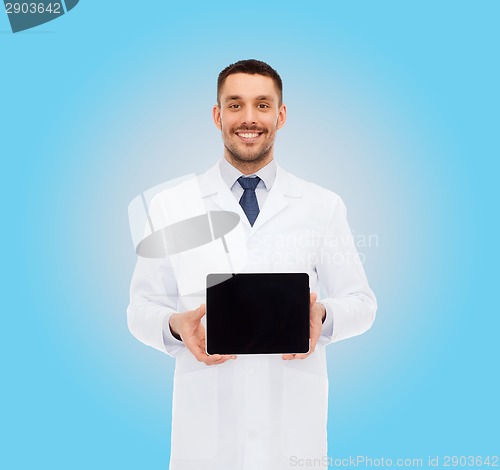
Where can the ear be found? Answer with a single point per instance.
(281, 117)
(216, 115)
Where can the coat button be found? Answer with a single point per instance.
(251, 371)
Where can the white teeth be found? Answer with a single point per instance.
(248, 135)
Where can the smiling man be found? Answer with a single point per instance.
(256, 412)
(249, 113)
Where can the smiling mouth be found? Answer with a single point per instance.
(249, 136)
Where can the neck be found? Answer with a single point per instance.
(248, 168)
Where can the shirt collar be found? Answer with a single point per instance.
(230, 174)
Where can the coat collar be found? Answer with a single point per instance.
(284, 188)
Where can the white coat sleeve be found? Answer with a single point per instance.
(153, 299)
(350, 304)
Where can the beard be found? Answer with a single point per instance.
(249, 156)
(244, 153)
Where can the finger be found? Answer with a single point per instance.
(302, 356)
(226, 358)
(297, 357)
(196, 348)
(200, 354)
(290, 357)
(313, 299)
(216, 359)
(200, 332)
(212, 359)
(312, 347)
(199, 312)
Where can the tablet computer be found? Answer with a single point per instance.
(257, 313)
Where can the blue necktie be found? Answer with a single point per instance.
(248, 200)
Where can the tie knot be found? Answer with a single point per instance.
(248, 182)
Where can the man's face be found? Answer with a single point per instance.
(249, 114)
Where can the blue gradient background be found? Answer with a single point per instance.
(393, 105)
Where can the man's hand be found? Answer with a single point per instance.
(188, 326)
(316, 314)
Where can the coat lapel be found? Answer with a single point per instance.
(284, 189)
(213, 188)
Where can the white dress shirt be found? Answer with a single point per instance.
(267, 175)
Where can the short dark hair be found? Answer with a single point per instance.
(252, 67)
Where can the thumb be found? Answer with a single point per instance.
(200, 311)
(313, 298)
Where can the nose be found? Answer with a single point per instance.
(249, 116)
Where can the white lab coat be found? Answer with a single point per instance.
(259, 412)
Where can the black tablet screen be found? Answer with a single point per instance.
(264, 313)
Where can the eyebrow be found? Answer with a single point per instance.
(232, 98)
(264, 98)
(259, 98)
